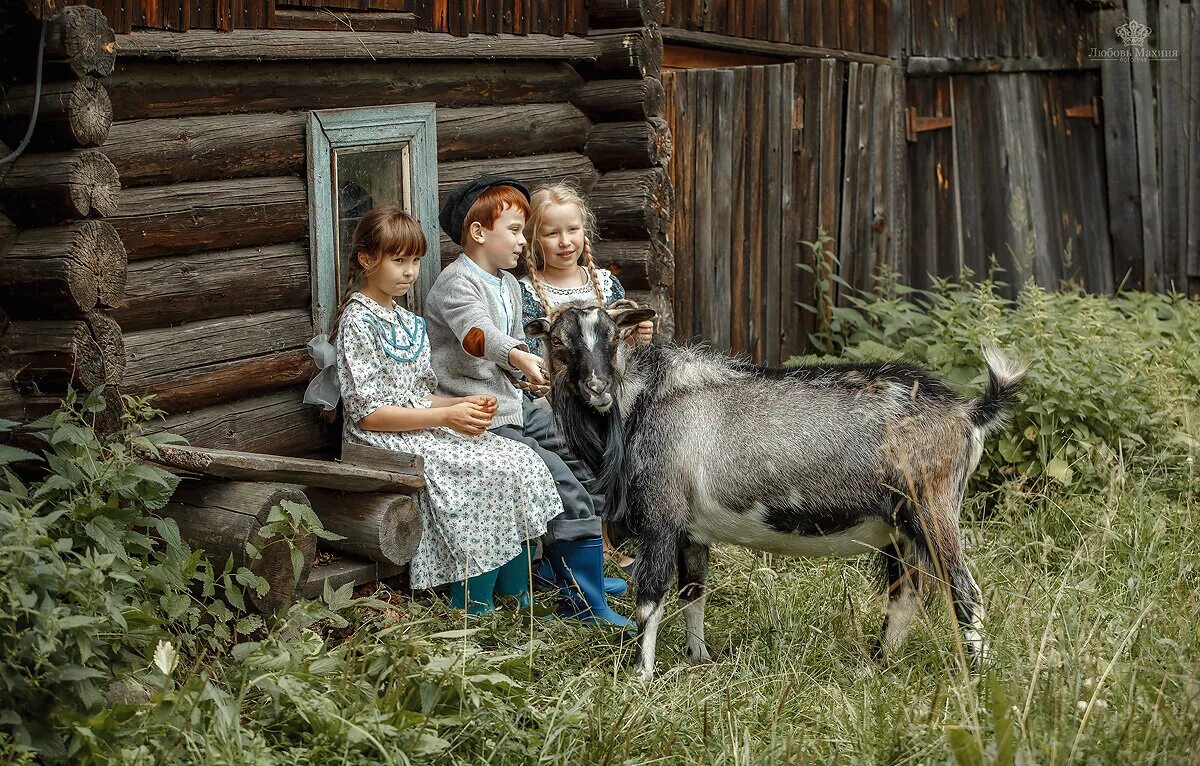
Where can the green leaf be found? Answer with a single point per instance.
(963, 745)
(1058, 470)
(1001, 709)
(10, 454)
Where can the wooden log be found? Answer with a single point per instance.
(347, 570)
(172, 355)
(532, 171)
(63, 271)
(231, 380)
(170, 150)
(147, 89)
(48, 356)
(626, 53)
(381, 527)
(390, 460)
(79, 43)
(60, 186)
(189, 288)
(278, 424)
(71, 114)
(211, 215)
(633, 204)
(616, 145)
(209, 45)
(780, 51)
(325, 474)
(612, 100)
(624, 13)
(631, 262)
(221, 517)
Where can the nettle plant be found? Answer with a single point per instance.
(91, 581)
(1111, 378)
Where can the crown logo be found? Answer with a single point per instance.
(1134, 34)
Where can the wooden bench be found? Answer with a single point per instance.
(369, 498)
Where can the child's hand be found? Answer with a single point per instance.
(468, 418)
(530, 364)
(484, 402)
(644, 333)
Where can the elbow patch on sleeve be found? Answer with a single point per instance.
(473, 342)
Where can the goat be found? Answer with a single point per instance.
(696, 448)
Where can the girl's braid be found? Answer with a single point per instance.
(590, 267)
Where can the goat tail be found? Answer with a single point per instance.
(1005, 376)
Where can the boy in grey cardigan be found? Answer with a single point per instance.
(473, 317)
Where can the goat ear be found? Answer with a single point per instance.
(630, 317)
(537, 328)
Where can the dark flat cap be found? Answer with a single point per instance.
(458, 204)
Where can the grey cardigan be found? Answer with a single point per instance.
(465, 296)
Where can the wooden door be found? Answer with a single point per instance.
(732, 235)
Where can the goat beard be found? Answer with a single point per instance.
(598, 440)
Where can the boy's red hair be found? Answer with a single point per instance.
(488, 207)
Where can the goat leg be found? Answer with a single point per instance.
(693, 574)
(655, 562)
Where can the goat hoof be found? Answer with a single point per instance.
(700, 657)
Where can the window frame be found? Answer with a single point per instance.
(331, 130)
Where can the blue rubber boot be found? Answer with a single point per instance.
(513, 578)
(544, 579)
(579, 565)
(480, 589)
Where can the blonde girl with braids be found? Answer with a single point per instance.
(559, 265)
(487, 495)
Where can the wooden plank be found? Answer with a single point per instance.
(789, 313)
(1121, 157)
(347, 570)
(879, 233)
(853, 148)
(778, 114)
(703, 247)
(721, 224)
(777, 50)
(680, 91)
(1191, 280)
(1153, 268)
(831, 126)
(806, 181)
(1087, 151)
(247, 466)
(1172, 142)
(739, 295)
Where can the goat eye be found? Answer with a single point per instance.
(555, 343)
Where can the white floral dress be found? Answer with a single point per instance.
(487, 494)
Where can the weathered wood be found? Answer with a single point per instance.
(384, 459)
(63, 271)
(80, 41)
(326, 474)
(221, 517)
(614, 100)
(532, 171)
(211, 215)
(1121, 162)
(783, 51)
(1153, 268)
(932, 66)
(360, 21)
(71, 114)
(633, 204)
(624, 13)
(47, 356)
(170, 291)
(170, 355)
(616, 145)
(203, 45)
(227, 381)
(626, 53)
(170, 150)
(632, 262)
(60, 186)
(348, 570)
(278, 424)
(381, 527)
(141, 89)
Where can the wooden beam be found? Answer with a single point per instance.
(318, 45)
(141, 89)
(615, 100)
(633, 204)
(62, 271)
(765, 48)
(378, 457)
(218, 147)
(626, 53)
(532, 171)
(211, 215)
(74, 113)
(41, 189)
(326, 474)
(221, 517)
(381, 527)
(932, 66)
(278, 424)
(617, 145)
(189, 288)
(348, 570)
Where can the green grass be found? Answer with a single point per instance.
(1092, 612)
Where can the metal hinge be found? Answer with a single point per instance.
(915, 124)
(1088, 111)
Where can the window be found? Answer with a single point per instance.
(357, 159)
